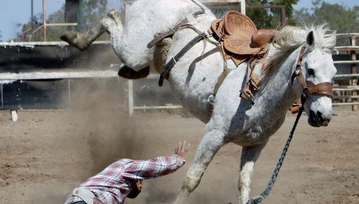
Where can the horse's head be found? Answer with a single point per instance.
(315, 71)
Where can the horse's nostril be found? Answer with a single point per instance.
(321, 120)
(325, 123)
(320, 117)
(312, 114)
(314, 119)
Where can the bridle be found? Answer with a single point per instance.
(322, 89)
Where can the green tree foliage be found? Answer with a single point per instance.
(338, 17)
(262, 17)
(271, 17)
(53, 33)
(92, 12)
(28, 30)
(33, 31)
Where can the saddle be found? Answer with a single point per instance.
(241, 41)
(240, 38)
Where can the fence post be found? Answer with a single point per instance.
(130, 97)
(243, 6)
(2, 95)
(353, 82)
(69, 92)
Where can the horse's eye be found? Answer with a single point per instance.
(311, 72)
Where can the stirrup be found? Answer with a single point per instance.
(246, 92)
(295, 106)
(247, 95)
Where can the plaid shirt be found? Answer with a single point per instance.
(114, 183)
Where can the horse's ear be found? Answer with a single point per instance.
(310, 38)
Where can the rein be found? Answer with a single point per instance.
(323, 89)
(265, 193)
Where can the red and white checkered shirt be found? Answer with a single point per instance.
(114, 183)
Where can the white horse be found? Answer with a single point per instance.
(287, 69)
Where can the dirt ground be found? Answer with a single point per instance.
(45, 154)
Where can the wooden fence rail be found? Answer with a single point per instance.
(346, 84)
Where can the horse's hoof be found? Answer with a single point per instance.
(113, 13)
(75, 39)
(129, 73)
(68, 36)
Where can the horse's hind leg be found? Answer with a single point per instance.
(208, 147)
(248, 158)
(111, 23)
(83, 40)
(129, 73)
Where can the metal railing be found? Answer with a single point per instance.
(43, 26)
(346, 84)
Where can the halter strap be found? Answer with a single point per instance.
(298, 68)
(309, 88)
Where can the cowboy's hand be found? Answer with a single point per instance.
(182, 149)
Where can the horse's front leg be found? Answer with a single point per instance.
(248, 158)
(208, 147)
(83, 40)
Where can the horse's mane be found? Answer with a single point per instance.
(289, 38)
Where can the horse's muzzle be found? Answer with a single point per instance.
(317, 120)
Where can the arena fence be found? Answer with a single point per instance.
(40, 68)
(345, 83)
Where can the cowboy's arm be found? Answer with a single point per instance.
(158, 166)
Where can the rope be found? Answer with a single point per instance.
(264, 194)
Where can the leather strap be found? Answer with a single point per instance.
(178, 56)
(221, 78)
(298, 71)
(252, 83)
(204, 55)
(159, 36)
(323, 89)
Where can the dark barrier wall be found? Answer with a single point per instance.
(47, 93)
(52, 93)
(17, 58)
